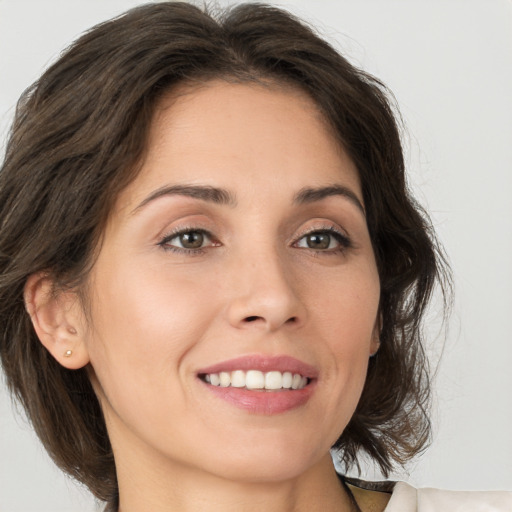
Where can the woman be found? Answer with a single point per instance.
(207, 245)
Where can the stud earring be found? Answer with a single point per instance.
(68, 353)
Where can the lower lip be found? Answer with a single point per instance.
(262, 401)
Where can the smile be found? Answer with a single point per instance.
(261, 384)
(257, 380)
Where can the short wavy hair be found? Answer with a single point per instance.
(77, 140)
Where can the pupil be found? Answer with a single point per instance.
(319, 241)
(192, 240)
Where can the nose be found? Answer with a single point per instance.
(264, 294)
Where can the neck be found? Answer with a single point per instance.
(183, 489)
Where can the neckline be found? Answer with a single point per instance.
(353, 500)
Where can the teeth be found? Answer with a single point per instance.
(296, 382)
(287, 380)
(225, 379)
(237, 379)
(254, 379)
(273, 380)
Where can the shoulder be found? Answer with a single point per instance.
(406, 498)
(402, 497)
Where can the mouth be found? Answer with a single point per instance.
(256, 380)
(261, 384)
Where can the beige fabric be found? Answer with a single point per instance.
(406, 498)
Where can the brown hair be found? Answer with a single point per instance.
(78, 135)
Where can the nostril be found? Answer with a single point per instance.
(254, 318)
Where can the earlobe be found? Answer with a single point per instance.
(57, 320)
(375, 342)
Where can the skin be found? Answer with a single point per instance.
(161, 312)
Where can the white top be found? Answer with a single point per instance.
(406, 498)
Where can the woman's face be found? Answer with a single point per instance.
(239, 255)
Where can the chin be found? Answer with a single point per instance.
(266, 462)
(264, 472)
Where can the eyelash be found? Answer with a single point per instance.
(164, 243)
(342, 239)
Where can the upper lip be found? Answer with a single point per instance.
(282, 363)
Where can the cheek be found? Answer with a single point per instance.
(346, 308)
(148, 300)
(345, 318)
(144, 325)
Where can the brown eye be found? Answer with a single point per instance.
(327, 240)
(191, 239)
(188, 240)
(318, 241)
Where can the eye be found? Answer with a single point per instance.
(323, 240)
(191, 239)
(187, 240)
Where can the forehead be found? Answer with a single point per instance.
(240, 135)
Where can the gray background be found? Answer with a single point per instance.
(449, 63)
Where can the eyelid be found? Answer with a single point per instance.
(339, 234)
(342, 237)
(174, 233)
(321, 225)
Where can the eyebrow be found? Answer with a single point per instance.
(202, 192)
(225, 197)
(311, 195)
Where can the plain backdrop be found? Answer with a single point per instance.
(449, 64)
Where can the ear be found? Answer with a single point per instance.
(57, 318)
(375, 341)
